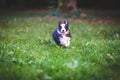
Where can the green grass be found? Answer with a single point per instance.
(27, 51)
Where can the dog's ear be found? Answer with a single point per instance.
(66, 22)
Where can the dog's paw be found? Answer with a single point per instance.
(67, 44)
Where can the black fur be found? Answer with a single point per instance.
(56, 36)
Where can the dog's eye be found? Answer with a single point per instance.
(60, 27)
(66, 27)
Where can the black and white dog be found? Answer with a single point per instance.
(62, 34)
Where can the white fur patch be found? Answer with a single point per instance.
(63, 27)
(65, 41)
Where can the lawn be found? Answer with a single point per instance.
(27, 51)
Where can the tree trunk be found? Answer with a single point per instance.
(72, 5)
(67, 6)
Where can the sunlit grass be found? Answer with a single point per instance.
(27, 51)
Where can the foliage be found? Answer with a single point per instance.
(27, 51)
(59, 8)
(53, 4)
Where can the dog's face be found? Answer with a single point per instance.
(63, 27)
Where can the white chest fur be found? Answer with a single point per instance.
(65, 41)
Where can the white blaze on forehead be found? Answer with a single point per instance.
(62, 25)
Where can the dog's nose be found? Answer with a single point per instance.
(62, 30)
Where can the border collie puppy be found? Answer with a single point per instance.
(62, 35)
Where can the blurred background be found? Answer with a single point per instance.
(40, 4)
(92, 10)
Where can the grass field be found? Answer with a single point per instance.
(27, 51)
